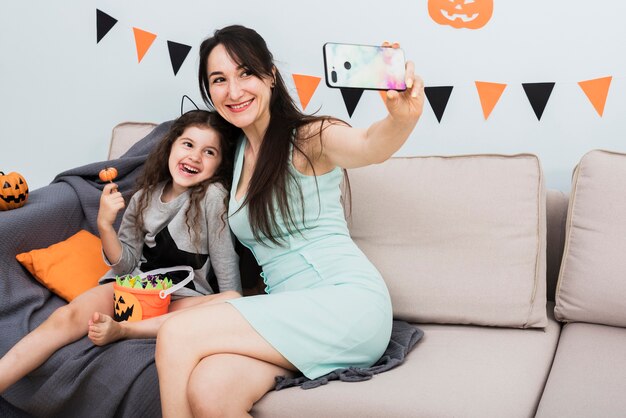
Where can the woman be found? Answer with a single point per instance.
(327, 306)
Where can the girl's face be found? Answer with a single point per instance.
(194, 157)
(240, 97)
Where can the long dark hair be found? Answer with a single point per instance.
(156, 168)
(269, 186)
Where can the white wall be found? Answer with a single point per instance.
(61, 93)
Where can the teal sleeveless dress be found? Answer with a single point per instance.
(327, 306)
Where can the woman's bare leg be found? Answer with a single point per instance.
(228, 385)
(67, 324)
(189, 336)
(103, 329)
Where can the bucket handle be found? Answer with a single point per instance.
(164, 293)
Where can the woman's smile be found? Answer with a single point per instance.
(240, 107)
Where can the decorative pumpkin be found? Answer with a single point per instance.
(13, 191)
(108, 174)
(469, 14)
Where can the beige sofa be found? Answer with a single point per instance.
(472, 250)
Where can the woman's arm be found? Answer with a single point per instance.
(348, 147)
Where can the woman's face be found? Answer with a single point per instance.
(240, 97)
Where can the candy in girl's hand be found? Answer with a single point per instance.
(108, 174)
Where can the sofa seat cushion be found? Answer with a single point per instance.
(588, 377)
(591, 285)
(458, 240)
(454, 371)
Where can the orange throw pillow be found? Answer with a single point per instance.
(69, 267)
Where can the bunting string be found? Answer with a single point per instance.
(489, 93)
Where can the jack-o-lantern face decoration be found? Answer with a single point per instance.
(127, 307)
(469, 14)
(13, 191)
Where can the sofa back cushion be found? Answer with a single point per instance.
(457, 239)
(126, 134)
(592, 280)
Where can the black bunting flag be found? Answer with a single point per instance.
(438, 98)
(178, 53)
(351, 98)
(538, 95)
(104, 23)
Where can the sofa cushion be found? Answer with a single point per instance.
(588, 377)
(68, 268)
(126, 134)
(591, 284)
(457, 239)
(454, 371)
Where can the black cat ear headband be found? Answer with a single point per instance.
(182, 104)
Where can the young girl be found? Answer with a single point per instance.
(178, 217)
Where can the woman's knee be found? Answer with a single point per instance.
(215, 389)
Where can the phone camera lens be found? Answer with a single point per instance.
(347, 65)
(333, 76)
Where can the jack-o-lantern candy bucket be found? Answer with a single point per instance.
(135, 303)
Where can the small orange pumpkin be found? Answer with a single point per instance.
(469, 14)
(108, 174)
(13, 191)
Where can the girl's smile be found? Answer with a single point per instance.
(194, 158)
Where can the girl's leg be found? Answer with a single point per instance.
(67, 324)
(188, 337)
(228, 385)
(103, 329)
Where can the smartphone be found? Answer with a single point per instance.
(365, 67)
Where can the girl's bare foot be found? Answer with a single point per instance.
(104, 330)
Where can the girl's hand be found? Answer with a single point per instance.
(406, 105)
(111, 202)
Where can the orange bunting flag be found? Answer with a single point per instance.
(143, 41)
(597, 90)
(489, 94)
(306, 86)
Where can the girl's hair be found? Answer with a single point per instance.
(156, 168)
(269, 186)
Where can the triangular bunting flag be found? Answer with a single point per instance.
(351, 98)
(538, 95)
(438, 98)
(143, 41)
(178, 53)
(489, 94)
(305, 86)
(104, 23)
(597, 90)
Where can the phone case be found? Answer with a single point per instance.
(366, 67)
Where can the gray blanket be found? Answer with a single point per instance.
(404, 336)
(80, 380)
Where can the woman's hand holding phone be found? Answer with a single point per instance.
(410, 102)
